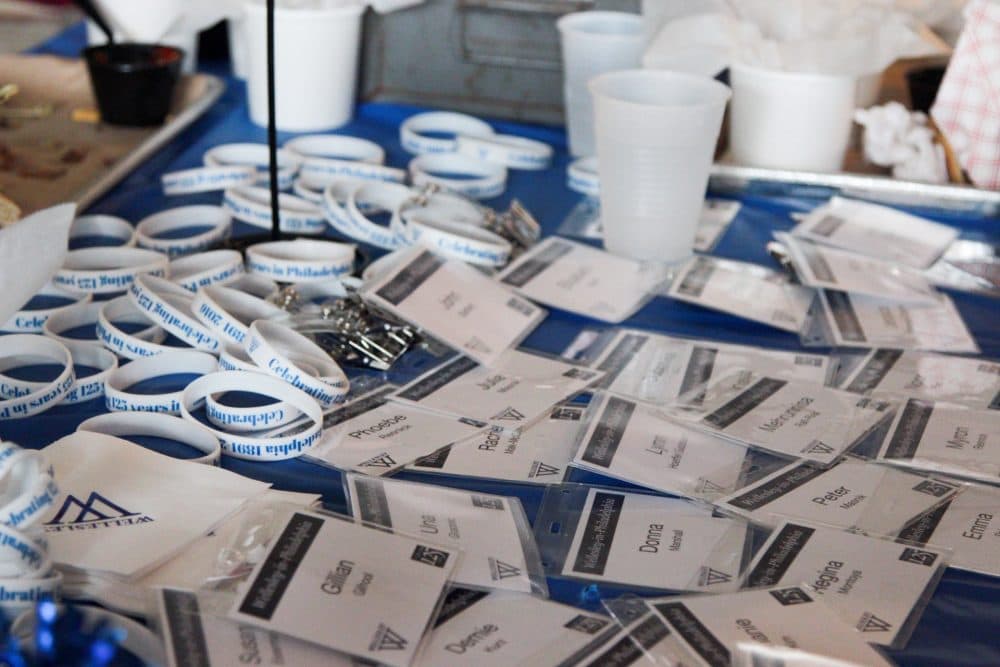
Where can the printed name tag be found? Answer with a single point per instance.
(535, 454)
(583, 279)
(716, 215)
(504, 630)
(637, 443)
(376, 436)
(498, 549)
(857, 320)
(878, 586)
(656, 368)
(792, 418)
(948, 438)
(974, 383)
(654, 542)
(851, 494)
(831, 268)
(516, 391)
(322, 573)
(711, 626)
(744, 290)
(877, 231)
(968, 524)
(196, 637)
(455, 303)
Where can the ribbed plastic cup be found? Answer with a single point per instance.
(593, 43)
(656, 136)
(790, 120)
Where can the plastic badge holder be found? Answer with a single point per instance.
(939, 437)
(537, 454)
(655, 368)
(852, 494)
(641, 638)
(279, 538)
(786, 418)
(974, 383)
(752, 654)
(611, 542)
(643, 445)
(879, 585)
(499, 551)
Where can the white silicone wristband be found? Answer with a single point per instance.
(109, 226)
(206, 268)
(33, 320)
(374, 196)
(582, 177)
(412, 131)
(257, 156)
(118, 398)
(235, 358)
(247, 446)
(125, 424)
(149, 229)
(229, 312)
(144, 343)
(237, 419)
(108, 270)
(33, 347)
(171, 307)
(207, 179)
(84, 388)
(485, 179)
(280, 351)
(255, 284)
(301, 260)
(74, 317)
(253, 206)
(28, 491)
(507, 150)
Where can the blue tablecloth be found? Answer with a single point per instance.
(961, 625)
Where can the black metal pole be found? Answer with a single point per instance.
(272, 128)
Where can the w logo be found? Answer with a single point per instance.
(96, 509)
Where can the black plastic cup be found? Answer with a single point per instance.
(133, 83)
(923, 84)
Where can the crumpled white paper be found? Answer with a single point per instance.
(899, 138)
(31, 251)
(853, 37)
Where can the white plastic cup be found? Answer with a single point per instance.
(236, 29)
(315, 64)
(656, 136)
(790, 120)
(593, 43)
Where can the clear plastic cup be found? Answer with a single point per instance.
(656, 136)
(593, 43)
(315, 63)
(790, 120)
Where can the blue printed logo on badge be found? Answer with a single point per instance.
(96, 512)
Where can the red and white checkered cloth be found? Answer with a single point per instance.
(967, 108)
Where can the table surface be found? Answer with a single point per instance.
(961, 625)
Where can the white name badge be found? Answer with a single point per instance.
(535, 454)
(639, 444)
(498, 549)
(516, 391)
(945, 438)
(655, 368)
(455, 303)
(745, 290)
(710, 627)
(128, 524)
(376, 436)
(968, 524)
(788, 418)
(877, 231)
(831, 268)
(583, 279)
(654, 542)
(857, 320)
(871, 498)
(507, 630)
(974, 383)
(716, 215)
(876, 585)
(199, 637)
(321, 573)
